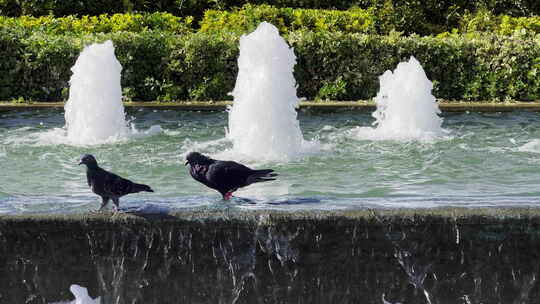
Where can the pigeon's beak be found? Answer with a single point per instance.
(80, 163)
(187, 162)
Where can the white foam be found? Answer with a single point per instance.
(532, 146)
(406, 109)
(148, 209)
(153, 130)
(263, 121)
(81, 296)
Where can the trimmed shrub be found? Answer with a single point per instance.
(247, 18)
(38, 66)
(99, 24)
(380, 20)
(203, 67)
(61, 7)
(342, 66)
(470, 68)
(409, 15)
(484, 21)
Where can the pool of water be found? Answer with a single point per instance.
(483, 160)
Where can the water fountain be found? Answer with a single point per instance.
(94, 112)
(263, 121)
(81, 296)
(406, 109)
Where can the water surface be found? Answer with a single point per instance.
(483, 160)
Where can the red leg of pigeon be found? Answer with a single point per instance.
(227, 196)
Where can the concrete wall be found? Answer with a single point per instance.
(410, 256)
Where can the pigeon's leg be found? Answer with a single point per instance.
(227, 195)
(105, 201)
(116, 202)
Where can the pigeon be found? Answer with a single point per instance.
(108, 185)
(224, 176)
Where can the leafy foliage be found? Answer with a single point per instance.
(160, 65)
(380, 20)
(99, 24)
(407, 16)
(246, 19)
(484, 21)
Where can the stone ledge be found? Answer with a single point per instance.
(269, 216)
(445, 106)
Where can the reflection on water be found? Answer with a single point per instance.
(273, 259)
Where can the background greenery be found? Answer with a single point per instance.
(187, 50)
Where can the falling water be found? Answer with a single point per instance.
(94, 112)
(81, 296)
(262, 121)
(406, 109)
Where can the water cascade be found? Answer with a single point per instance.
(81, 295)
(263, 121)
(406, 109)
(94, 112)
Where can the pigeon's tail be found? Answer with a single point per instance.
(264, 175)
(141, 187)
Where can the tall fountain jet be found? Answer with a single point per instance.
(406, 109)
(94, 112)
(263, 122)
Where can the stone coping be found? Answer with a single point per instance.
(445, 106)
(459, 214)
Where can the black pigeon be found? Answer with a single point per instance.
(224, 176)
(108, 185)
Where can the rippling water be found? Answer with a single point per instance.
(484, 160)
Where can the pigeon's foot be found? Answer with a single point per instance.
(227, 196)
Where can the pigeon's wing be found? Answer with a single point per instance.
(228, 174)
(115, 185)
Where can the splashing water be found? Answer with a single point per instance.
(406, 109)
(262, 121)
(94, 112)
(532, 146)
(81, 296)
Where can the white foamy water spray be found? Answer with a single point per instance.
(263, 121)
(81, 296)
(532, 146)
(406, 109)
(94, 112)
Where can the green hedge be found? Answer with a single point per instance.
(484, 21)
(246, 19)
(408, 16)
(202, 66)
(99, 24)
(433, 8)
(97, 7)
(381, 21)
